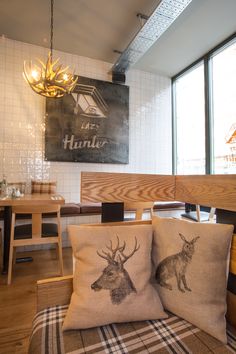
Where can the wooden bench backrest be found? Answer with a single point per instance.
(218, 191)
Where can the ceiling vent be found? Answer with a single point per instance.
(162, 17)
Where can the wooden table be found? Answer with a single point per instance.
(27, 199)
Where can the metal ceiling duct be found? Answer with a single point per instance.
(162, 17)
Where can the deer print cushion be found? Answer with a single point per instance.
(190, 269)
(112, 276)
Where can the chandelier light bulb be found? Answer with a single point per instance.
(65, 77)
(35, 74)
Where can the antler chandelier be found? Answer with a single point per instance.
(49, 80)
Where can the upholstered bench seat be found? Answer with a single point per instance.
(74, 209)
(70, 209)
(192, 215)
(172, 335)
(90, 208)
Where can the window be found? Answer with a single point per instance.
(190, 122)
(224, 109)
(204, 113)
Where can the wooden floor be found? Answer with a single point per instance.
(18, 300)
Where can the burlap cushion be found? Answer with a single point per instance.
(190, 267)
(112, 276)
(43, 187)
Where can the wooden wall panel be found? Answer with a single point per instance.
(54, 291)
(115, 187)
(231, 308)
(210, 190)
(232, 267)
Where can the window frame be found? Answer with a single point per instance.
(206, 59)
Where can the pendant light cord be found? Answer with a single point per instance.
(51, 40)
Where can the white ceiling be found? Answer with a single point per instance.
(94, 28)
(202, 26)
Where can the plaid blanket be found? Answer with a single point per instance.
(172, 335)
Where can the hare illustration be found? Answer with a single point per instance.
(176, 265)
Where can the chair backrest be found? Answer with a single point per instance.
(210, 214)
(36, 211)
(44, 187)
(139, 208)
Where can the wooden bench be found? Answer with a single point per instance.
(215, 191)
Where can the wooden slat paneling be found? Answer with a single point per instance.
(115, 187)
(232, 267)
(217, 191)
(54, 291)
(231, 308)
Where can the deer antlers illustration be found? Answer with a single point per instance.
(115, 277)
(111, 257)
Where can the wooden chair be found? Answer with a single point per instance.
(43, 187)
(139, 208)
(36, 233)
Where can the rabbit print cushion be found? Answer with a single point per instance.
(190, 271)
(112, 276)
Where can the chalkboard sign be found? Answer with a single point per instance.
(89, 125)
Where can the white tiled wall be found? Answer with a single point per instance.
(22, 121)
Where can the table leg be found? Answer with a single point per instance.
(6, 239)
